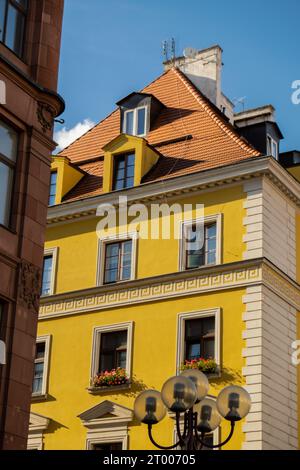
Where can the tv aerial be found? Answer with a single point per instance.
(169, 49)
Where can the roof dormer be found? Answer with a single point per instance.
(138, 112)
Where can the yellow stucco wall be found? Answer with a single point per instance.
(153, 361)
(77, 242)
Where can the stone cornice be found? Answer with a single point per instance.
(183, 185)
(194, 282)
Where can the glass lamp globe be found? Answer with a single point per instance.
(233, 403)
(149, 407)
(208, 416)
(200, 380)
(179, 393)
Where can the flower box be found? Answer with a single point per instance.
(207, 366)
(112, 378)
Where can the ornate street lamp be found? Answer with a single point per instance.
(185, 395)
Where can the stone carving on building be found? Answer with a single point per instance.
(29, 285)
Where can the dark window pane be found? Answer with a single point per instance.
(6, 183)
(38, 377)
(113, 350)
(123, 172)
(108, 447)
(40, 350)
(14, 30)
(129, 117)
(53, 182)
(141, 121)
(8, 142)
(2, 14)
(47, 273)
(199, 338)
(117, 265)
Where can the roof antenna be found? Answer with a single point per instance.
(240, 101)
(169, 50)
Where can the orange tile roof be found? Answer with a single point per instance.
(214, 141)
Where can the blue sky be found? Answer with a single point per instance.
(113, 47)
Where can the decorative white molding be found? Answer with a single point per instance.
(98, 331)
(217, 218)
(107, 422)
(182, 318)
(270, 225)
(190, 282)
(54, 253)
(100, 268)
(37, 426)
(47, 340)
(271, 379)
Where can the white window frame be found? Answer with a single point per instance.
(272, 142)
(207, 220)
(98, 330)
(182, 318)
(135, 120)
(54, 253)
(47, 340)
(123, 439)
(100, 269)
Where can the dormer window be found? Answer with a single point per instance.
(123, 171)
(138, 112)
(272, 147)
(135, 121)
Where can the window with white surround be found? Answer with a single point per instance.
(198, 335)
(117, 258)
(135, 121)
(200, 243)
(38, 425)
(107, 426)
(272, 147)
(41, 365)
(52, 191)
(112, 348)
(49, 271)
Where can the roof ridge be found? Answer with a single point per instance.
(205, 103)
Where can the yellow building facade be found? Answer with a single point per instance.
(151, 297)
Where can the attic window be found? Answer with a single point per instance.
(135, 121)
(272, 147)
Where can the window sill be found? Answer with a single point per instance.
(112, 388)
(39, 396)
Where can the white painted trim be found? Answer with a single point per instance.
(135, 121)
(182, 317)
(54, 253)
(217, 218)
(37, 425)
(100, 268)
(269, 151)
(97, 340)
(99, 438)
(47, 340)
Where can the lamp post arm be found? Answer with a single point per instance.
(157, 445)
(200, 440)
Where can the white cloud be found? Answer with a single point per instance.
(65, 137)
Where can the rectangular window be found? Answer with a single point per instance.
(53, 181)
(118, 261)
(206, 255)
(39, 386)
(108, 447)
(8, 157)
(12, 24)
(272, 147)
(199, 338)
(113, 350)
(135, 121)
(2, 336)
(47, 275)
(123, 171)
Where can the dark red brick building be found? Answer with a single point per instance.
(30, 32)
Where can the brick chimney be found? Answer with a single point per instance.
(203, 68)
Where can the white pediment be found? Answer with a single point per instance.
(38, 422)
(106, 412)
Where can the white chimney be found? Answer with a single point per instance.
(203, 68)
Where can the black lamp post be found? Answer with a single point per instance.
(185, 395)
